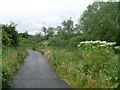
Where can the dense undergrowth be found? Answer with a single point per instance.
(12, 59)
(85, 66)
(11, 52)
(80, 65)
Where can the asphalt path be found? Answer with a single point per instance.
(36, 72)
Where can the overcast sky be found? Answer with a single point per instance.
(31, 15)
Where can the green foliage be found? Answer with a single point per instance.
(75, 40)
(68, 26)
(118, 30)
(24, 35)
(57, 41)
(6, 38)
(117, 49)
(9, 34)
(99, 21)
(63, 40)
(44, 29)
(12, 58)
(86, 68)
(50, 31)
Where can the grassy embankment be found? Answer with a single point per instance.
(12, 59)
(12, 53)
(85, 66)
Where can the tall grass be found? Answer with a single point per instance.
(12, 58)
(85, 67)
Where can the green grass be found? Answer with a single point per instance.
(12, 58)
(80, 67)
(85, 68)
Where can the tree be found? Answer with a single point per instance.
(50, 31)
(60, 31)
(10, 35)
(6, 38)
(77, 29)
(44, 29)
(25, 35)
(99, 21)
(68, 26)
(118, 30)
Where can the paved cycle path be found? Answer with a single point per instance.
(36, 72)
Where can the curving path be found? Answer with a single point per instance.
(37, 73)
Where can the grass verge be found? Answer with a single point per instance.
(12, 59)
(85, 68)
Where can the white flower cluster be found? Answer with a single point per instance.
(98, 42)
(117, 47)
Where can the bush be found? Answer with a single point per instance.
(10, 35)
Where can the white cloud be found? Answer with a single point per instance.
(31, 14)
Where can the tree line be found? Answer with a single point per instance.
(99, 22)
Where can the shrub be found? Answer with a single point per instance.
(10, 35)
